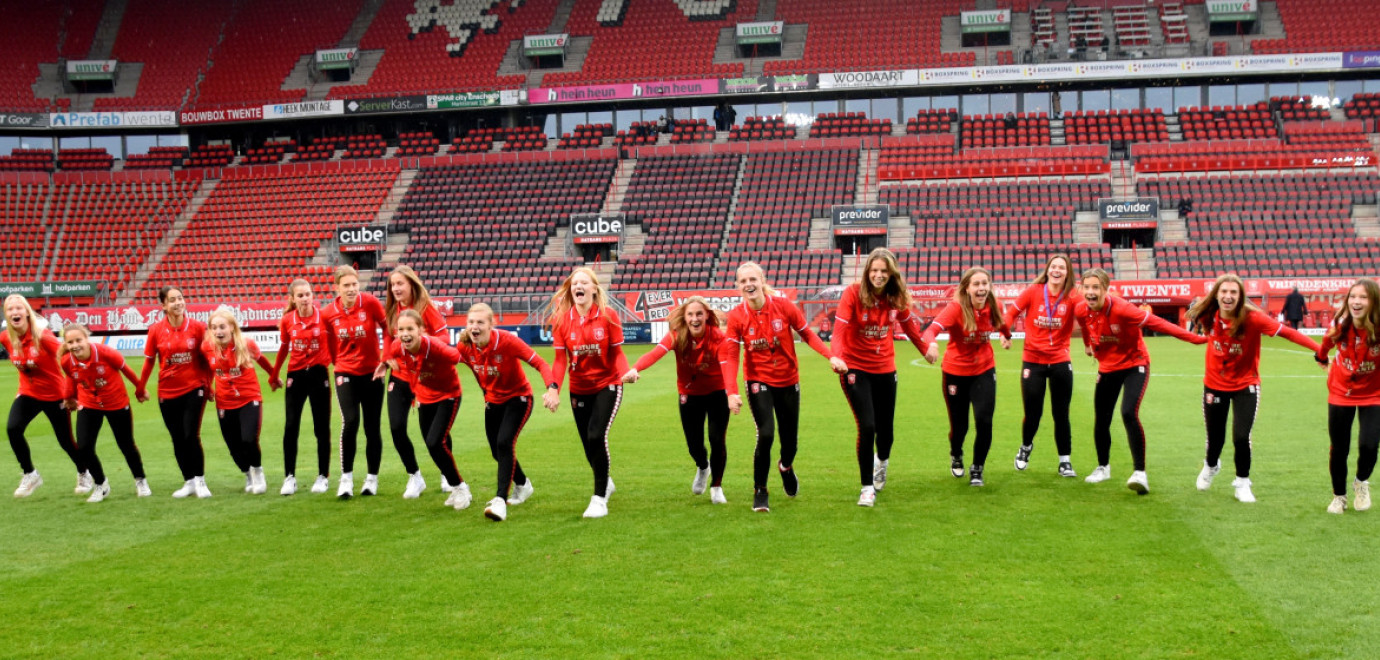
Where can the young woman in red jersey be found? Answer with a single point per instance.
(969, 368)
(496, 358)
(405, 291)
(184, 382)
(354, 321)
(430, 367)
(239, 401)
(1048, 307)
(762, 326)
(304, 336)
(695, 337)
(588, 339)
(1112, 333)
(96, 391)
(1353, 390)
(33, 350)
(868, 310)
(1231, 378)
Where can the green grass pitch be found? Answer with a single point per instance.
(1030, 566)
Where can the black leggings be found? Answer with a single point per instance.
(435, 420)
(594, 415)
(979, 392)
(1367, 444)
(694, 410)
(360, 395)
(873, 400)
(89, 421)
(773, 406)
(240, 428)
(310, 384)
(24, 409)
(1132, 383)
(399, 406)
(182, 415)
(1059, 376)
(503, 424)
(1216, 405)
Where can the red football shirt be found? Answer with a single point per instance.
(1048, 324)
(181, 366)
(1114, 332)
(97, 381)
(591, 347)
(354, 335)
(39, 374)
(765, 335)
(697, 367)
(431, 370)
(1352, 379)
(434, 324)
(498, 366)
(305, 339)
(863, 335)
(1233, 362)
(968, 353)
(236, 386)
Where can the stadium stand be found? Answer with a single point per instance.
(902, 34)
(365, 146)
(85, 159)
(319, 149)
(28, 32)
(83, 17)
(1292, 108)
(928, 157)
(1362, 106)
(848, 124)
(1014, 130)
(1322, 25)
(418, 143)
(1095, 127)
(693, 130)
(1174, 23)
(157, 158)
(1230, 155)
(524, 138)
(476, 141)
(931, 121)
(681, 204)
(211, 155)
(270, 152)
(171, 66)
(761, 128)
(28, 160)
(639, 133)
(23, 227)
(1227, 123)
(586, 136)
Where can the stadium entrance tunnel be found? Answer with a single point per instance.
(860, 245)
(1125, 239)
(597, 252)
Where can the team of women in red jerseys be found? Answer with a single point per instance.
(417, 368)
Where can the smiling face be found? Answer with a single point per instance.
(174, 304)
(1228, 296)
(302, 299)
(696, 318)
(1057, 272)
(878, 274)
(582, 290)
(1358, 303)
(1094, 292)
(751, 285)
(16, 315)
(400, 288)
(409, 334)
(979, 288)
(77, 344)
(480, 325)
(221, 331)
(348, 289)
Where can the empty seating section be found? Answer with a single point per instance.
(1292, 108)
(692, 130)
(931, 121)
(586, 136)
(417, 144)
(85, 159)
(848, 124)
(157, 158)
(482, 227)
(1132, 25)
(891, 34)
(524, 138)
(927, 157)
(270, 152)
(1010, 228)
(28, 31)
(1227, 123)
(1363, 106)
(1174, 23)
(365, 146)
(457, 47)
(171, 65)
(109, 229)
(786, 268)
(1224, 155)
(27, 160)
(476, 141)
(761, 128)
(782, 192)
(1042, 26)
(1312, 26)
(80, 27)
(1095, 127)
(263, 43)
(656, 40)
(1027, 129)
(23, 229)
(681, 203)
(1339, 135)
(211, 155)
(319, 149)
(256, 233)
(639, 133)
(1085, 23)
(1268, 225)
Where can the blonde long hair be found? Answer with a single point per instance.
(1342, 322)
(73, 327)
(1201, 313)
(965, 302)
(482, 308)
(682, 329)
(242, 358)
(563, 301)
(420, 298)
(895, 292)
(36, 323)
(767, 291)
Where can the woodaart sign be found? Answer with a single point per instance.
(986, 21)
(91, 69)
(49, 289)
(336, 58)
(767, 32)
(849, 79)
(544, 44)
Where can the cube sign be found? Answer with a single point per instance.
(593, 228)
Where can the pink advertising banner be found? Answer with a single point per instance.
(643, 90)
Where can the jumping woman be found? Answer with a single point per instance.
(405, 291)
(1048, 307)
(96, 376)
(1353, 390)
(33, 350)
(355, 320)
(184, 382)
(239, 401)
(305, 337)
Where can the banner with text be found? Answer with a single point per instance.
(366, 238)
(336, 58)
(304, 109)
(761, 84)
(860, 220)
(23, 120)
(379, 106)
(222, 115)
(663, 89)
(850, 79)
(156, 119)
(765, 32)
(139, 317)
(91, 69)
(462, 100)
(985, 21)
(541, 45)
(56, 289)
(657, 305)
(1232, 10)
(596, 228)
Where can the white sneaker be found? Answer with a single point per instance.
(186, 490)
(415, 485)
(202, 490)
(1138, 482)
(519, 494)
(28, 484)
(1206, 475)
(371, 485)
(497, 510)
(98, 492)
(716, 495)
(1362, 500)
(445, 486)
(1243, 490)
(608, 490)
(1099, 475)
(346, 487)
(260, 482)
(879, 472)
(598, 507)
(1338, 504)
(249, 481)
(868, 497)
(701, 481)
(84, 483)
(460, 497)
(321, 485)
(141, 488)
(289, 486)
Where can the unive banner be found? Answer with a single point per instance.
(986, 21)
(336, 58)
(1232, 10)
(222, 115)
(91, 69)
(663, 89)
(766, 32)
(544, 44)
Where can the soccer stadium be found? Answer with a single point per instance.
(952, 233)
